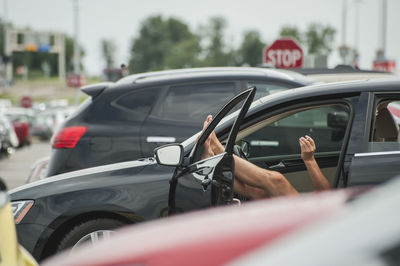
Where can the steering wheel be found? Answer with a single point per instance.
(238, 150)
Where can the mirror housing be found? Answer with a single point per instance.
(3, 186)
(170, 154)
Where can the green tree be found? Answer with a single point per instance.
(108, 52)
(319, 39)
(163, 44)
(291, 32)
(250, 51)
(216, 53)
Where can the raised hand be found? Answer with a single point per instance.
(307, 146)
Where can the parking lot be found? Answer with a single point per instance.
(15, 169)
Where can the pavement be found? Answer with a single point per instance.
(15, 169)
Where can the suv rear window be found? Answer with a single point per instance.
(138, 103)
(189, 103)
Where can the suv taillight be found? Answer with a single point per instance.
(67, 138)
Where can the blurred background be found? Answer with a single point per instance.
(50, 48)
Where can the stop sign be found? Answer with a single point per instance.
(284, 53)
(26, 101)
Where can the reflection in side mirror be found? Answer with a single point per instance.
(170, 154)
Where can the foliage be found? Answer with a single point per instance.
(108, 48)
(163, 44)
(292, 32)
(317, 38)
(250, 51)
(216, 52)
(169, 43)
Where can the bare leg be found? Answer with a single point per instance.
(253, 181)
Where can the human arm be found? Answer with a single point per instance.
(319, 180)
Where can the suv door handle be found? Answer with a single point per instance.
(280, 165)
(155, 139)
(284, 164)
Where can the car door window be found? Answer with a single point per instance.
(191, 102)
(273, 143)
(385, 129)
(279, 135)
(267, 88)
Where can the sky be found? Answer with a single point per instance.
(120, 20)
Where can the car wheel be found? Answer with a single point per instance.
(89, 231)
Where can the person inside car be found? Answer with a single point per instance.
(255, 182)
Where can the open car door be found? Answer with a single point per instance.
(199, 183)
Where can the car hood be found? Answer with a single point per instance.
(80, 179)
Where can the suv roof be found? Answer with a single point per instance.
(214, 71)
(199, 73)
(341, 73)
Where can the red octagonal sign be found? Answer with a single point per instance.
(284, 53)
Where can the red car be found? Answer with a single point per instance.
(21, 118)
(22, 131)
(211, 237)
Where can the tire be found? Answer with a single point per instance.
(82, 232)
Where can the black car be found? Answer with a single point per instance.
(126, 120)
(357, 144)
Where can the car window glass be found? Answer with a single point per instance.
(265, 89)
(385, 132)
(137, 104)
(280, 135)
(192, 102)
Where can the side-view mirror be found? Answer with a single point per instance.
(170, 154)
(3, 186)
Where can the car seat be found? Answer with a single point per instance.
(385, 127)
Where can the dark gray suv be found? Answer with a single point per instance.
(126, 120)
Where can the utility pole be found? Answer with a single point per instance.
(77, 55)
(357, 24)
(344, 22)
(382, 63)
(344, 49)
(383, 24)
(357, 32)
(7, 56)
